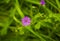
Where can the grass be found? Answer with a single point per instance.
(45, 20)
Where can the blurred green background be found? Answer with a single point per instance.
(45, 20)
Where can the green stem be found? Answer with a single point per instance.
(58, 4)
(17, 20)
(37, 3)
(53, 5)
(29, 28)
(47, 37)
(19, 9)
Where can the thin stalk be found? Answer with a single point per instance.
(58, 4)
(17, 20)
(29, 28)
(19, 9)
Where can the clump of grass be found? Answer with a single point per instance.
(44, 25)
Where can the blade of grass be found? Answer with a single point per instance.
(7, 23)
(58, 4)
(29, 28)
(19, 9)
(38, 3)
(53, 5)
(47, 37)
(17, 20)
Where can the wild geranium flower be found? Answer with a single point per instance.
(26, 21)
(42, 2)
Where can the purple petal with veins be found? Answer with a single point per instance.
(26, 21)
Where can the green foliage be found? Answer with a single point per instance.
(45, 20)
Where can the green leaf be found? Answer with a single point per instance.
(37, 26)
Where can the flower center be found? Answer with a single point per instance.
(25, 20)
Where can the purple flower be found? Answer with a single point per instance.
(26, 21)
(42, 2)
